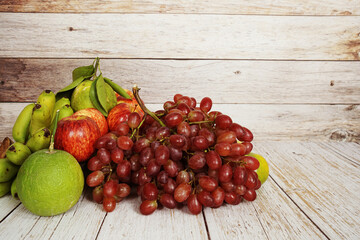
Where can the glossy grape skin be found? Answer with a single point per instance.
(206, 104)
(95, 178)
(223, 149)
(123, 190)
(195, 116)
(226, 137)
(168, 201)
(197, 161)
(182, 192)
(117, 155)
(162, 155)
(168, 105)
(225, 173)
(213, 160)
(147, 207)
(251, 163)
(152, 169)
(238, 130)
(169, 186)
(104, 155)
(193, 204)
(98, 194)
(200, 143)
(177, 97)
(250, 195)
(209, 135)
(177, 140)
(162, 132)
(219, 196)
(171, 168)
(134, 120)
(94, 164)
(162, 177)
(251, 180)
(208, 183)
(205, 198)
(173, 119)
(122, 129)
(182, 177)
(123, 169)
(248, 146)
(248, 136)
(237, 149)
(232, 198)
(110, 188)
(150, 191)
(184, 129)
(239, 175)
(223, 121)
(145, 155)
(124, 143)
(141, 144)
(109, 204)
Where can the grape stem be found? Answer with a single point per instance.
(143, 107)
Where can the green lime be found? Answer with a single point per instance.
(49, 183)
(263, 170)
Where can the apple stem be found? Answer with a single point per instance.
(51, 147)
(143, 107)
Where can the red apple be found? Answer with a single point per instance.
(77, 135)
(122, 110)
(97, 116)
(120, 113)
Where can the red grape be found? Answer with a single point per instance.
(147, 207)
(109, 204)
(205, 104)
(193, 204)
(95, 178)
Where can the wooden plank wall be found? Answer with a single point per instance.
(285, 69)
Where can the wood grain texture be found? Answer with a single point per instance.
(266, 7)
(126, 222)
(225, 81)
(271, 216)
(266, 121)
(81, 222)
(325, 186)
(179, 36)
(351, 151)
(7, 204)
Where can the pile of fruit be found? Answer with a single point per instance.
(183, 154)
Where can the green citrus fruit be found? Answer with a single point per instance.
(263, 170)
(80, 98)
(49, 183)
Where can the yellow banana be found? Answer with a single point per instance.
(40, 140)
(47, 98)
(20, 129)
(41, 118)
(7, 170)
(5, 188)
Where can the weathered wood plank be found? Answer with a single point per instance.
(7, 204)
(325, 186)
(126, 222)
(179, 36)
(80, 222)
(351, 151)
(266, 121)
(226, 81)
(271, 216)
(266, 7)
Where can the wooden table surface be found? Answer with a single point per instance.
(313, 192)
(288, 70)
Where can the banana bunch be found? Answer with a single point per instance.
(32, 132)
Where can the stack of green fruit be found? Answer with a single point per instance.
(31, 132)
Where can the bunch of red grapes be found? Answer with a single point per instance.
(183, 154)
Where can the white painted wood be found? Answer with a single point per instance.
(325, 186)
(7, 203)
(126, 222)
(271, 216)
(179, 36)
(80, 222)
(350, 151)
(284, 7)
(225, 81)
(266, 121)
